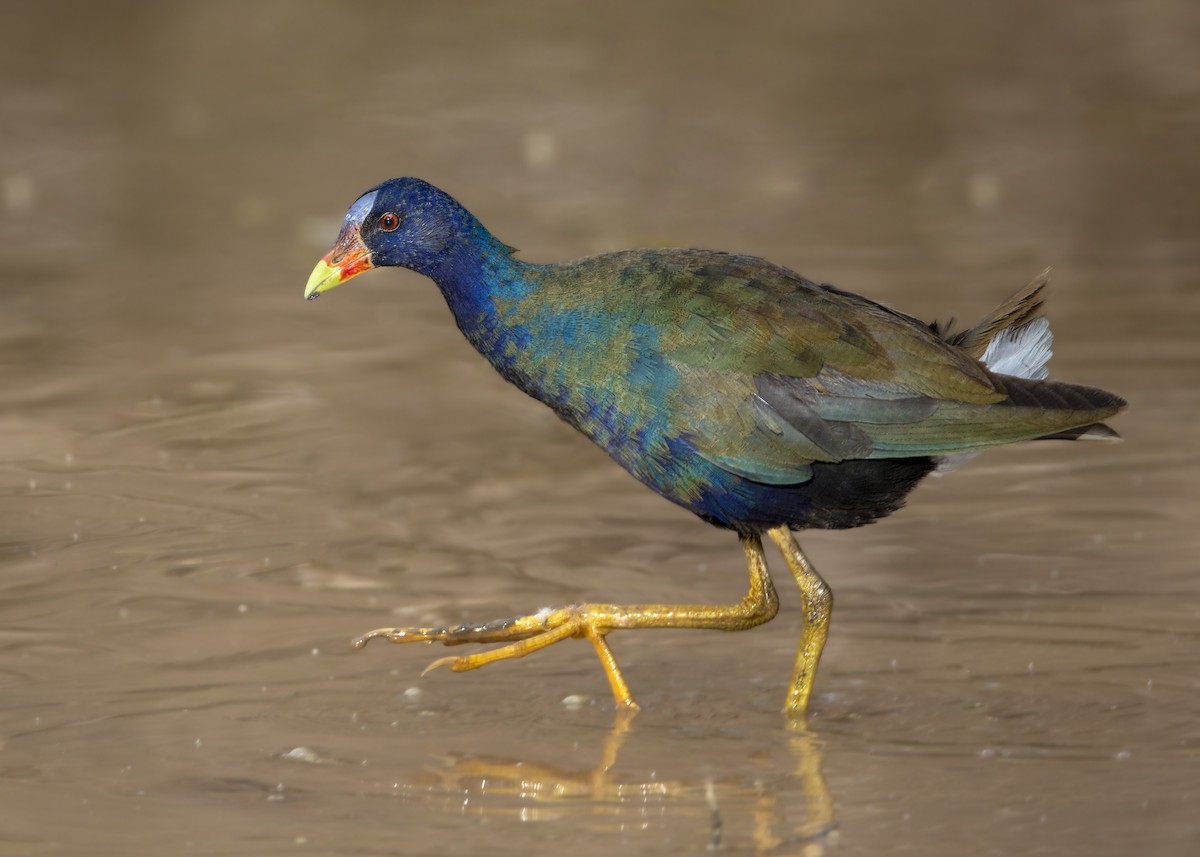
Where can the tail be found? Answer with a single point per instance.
(1001, 332)
(1014, 340)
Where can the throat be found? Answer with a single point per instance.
(482, 284)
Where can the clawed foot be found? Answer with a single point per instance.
(523, 635)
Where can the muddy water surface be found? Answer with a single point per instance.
(209, 487)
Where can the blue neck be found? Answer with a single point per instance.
(476, 275)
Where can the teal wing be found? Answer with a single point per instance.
(773, 373)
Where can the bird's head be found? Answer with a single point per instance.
(403, 222)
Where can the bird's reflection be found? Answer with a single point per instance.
(788, 812)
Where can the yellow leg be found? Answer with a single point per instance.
(817, 602)
(526, 634)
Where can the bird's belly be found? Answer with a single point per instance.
(839, 495)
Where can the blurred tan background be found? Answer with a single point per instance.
(210, 486)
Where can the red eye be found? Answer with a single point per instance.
(388, 222)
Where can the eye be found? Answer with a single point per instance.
(389, 222)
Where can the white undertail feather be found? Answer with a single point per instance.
(1024, 351)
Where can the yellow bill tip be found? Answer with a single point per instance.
(324, 277)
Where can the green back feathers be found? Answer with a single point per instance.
(767, 372)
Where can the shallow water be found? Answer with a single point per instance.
(209, 486)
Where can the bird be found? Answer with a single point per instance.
(761, 401)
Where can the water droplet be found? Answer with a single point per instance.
(576, 701)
